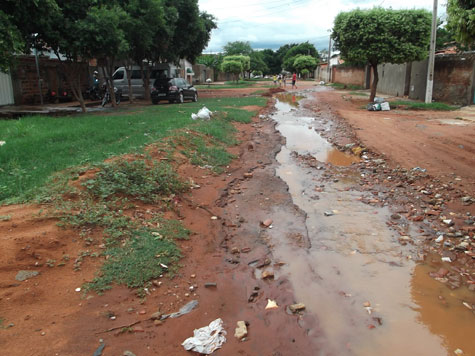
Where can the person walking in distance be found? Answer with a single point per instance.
(284, 80)
(294, 80)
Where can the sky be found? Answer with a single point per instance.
(273, 23)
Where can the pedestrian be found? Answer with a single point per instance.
(280, 80)
(284, 80)
(275, 79)
(294, 80)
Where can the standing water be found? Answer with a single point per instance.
(368, 297)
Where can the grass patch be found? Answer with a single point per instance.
(414, 105)
(358, 93)
(135, 179)
(5, 217)
(37, 147)
(138, 247)
(346, 86)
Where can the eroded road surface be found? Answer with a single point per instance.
(350, 269)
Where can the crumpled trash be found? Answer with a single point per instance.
(385, 106)
(206, 339)
(322, 82)
(378, 105)
(203, 114)
(183, 310)
(208, 80)
(2, 143)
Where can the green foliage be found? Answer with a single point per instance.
(302, 49)
(415, 105)
(135, 179)
(231, 66)
(257, 63)
(461, 20)
(210, 60)
(238, 48)
(382, 35)
(305, 63)
(11, 42)
(143, 257)
(272, 61)
(37, 147)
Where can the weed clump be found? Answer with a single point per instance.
(135, 179)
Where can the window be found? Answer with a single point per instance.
(136, 74)
(118, 75)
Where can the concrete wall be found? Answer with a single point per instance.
(418, 80)
(392, 79)
(6, 89)
(454, 79)
(349, 75)
(322, 73)
(202, 73)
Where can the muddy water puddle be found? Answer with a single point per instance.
(362, 286)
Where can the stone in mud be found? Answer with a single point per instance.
(128, 353)
(271, 304)
(328, 213)
(248, 175)
(266, 222)
(24, 275)
(268, 275)
(156, 316)
(241, 330)
(294, 308)
(395, 216)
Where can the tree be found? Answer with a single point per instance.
(461, 20)
(62, 32)
(271, 59)
(102, 30)
(301, 49)
(305, 63)
(382, 36)
(145, 22)
(18, 21)
(232, 66)
(212, 61)
(11, 42)
(257, 63)
(237, 47)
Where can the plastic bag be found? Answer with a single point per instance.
(203, 114)
(206, 339)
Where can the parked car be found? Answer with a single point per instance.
(121, 82)
(174, 90)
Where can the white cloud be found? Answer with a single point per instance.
(272, 23)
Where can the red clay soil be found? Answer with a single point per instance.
(412, 138)
(44, 315)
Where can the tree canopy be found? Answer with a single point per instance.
(461, 20)
(305, 63)
(382, 36)
(238, 47)
(302, 49)
(109, 30)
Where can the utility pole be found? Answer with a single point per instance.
(328, 60)
(430, 67)
(38, 69)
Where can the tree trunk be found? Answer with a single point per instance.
(128, 69)
(73, 77)
(109, 80)
(375, 82)
(146, 81)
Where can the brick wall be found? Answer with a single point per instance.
(25, 79)
(348, 75)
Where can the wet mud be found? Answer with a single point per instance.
(361, 284)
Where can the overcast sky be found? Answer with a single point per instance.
(273, 23)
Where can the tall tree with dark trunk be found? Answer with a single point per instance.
(382, 36)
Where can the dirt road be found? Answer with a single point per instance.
(357, 238)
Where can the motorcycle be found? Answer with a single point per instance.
(107, 97)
